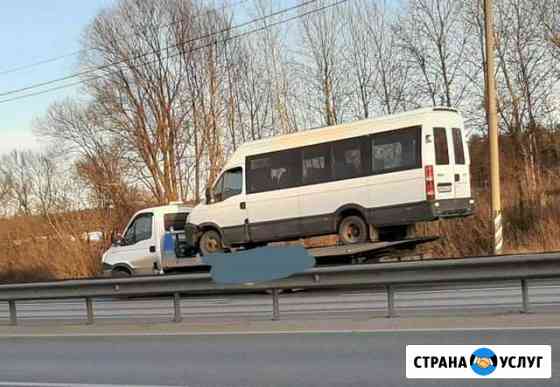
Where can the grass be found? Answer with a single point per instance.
(529, 225)
(41, 249)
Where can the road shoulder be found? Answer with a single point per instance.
(512, 321)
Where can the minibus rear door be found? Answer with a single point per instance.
(461, 169)
(443, 169)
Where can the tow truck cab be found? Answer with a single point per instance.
(140, 249)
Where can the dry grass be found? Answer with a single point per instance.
(39, 249)
(529, 225)
(50, 260)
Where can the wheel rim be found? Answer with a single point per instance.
(212, 245)
(352, 232)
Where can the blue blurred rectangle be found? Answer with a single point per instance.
(168, 243)
(258, 265)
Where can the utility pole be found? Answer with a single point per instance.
(492, 118)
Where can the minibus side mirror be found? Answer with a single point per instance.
(208, 196)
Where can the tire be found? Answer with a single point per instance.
(353, 229)
(210, 243)
(120, 273)
(373, 233)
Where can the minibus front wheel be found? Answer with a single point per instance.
(210, 243)
(120, 272)
(353, 229)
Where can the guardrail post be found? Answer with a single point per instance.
(177, 308)
(275, 305)
(13, 312)
(89, 310)
(525, 296)
(390, 301)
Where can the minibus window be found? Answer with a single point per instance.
(276, 170)
(396, 150)
(258, 174)
(458, 146)
(232, 183)
(440, 144)
(286, 169)
(348, 158)
(316, 164)
(260, 163)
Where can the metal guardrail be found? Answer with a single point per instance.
(388, 275)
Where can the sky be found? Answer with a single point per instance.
(36, 30)
(31, 31)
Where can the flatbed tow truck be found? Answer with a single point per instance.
(154, 243)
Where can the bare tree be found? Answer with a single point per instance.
(324, 64)
(361, 57)
(276, 88)
(101, 161)
(256, 100)
(474, 105)
(208, 59)
(33, 183)
(550, 15)
(435, 35)
(177, 92)
(527, 79)
(5, 190)
(16, 167)
(103, 174)
(141, 94)
(51, 188)
(381, 70)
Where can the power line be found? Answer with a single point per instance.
(42, 62)
(84, 50)
(50, 90)
(108, 65)
(177, 54)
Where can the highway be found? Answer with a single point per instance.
(457, 299)
(298, 359)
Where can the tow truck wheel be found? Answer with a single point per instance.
(211, 243)
(353, 229)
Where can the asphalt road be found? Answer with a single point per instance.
(455, 299)
(299, 359)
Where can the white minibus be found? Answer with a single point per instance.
(366, 180)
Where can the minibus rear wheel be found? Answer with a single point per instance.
(353, 229)
(210, 243)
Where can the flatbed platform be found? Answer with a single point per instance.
(367, 248)
(325, 255)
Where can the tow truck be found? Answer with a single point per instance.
(154, 242)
